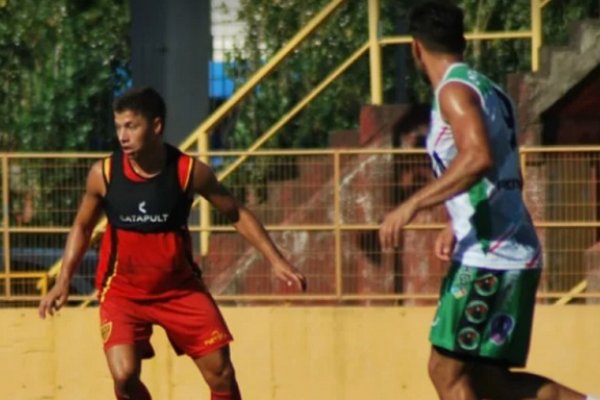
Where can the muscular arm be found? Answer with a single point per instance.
(461, 108)
(77, 241)
(205, 183)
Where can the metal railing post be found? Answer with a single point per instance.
(375, 53)
(536, 34)
(5, 225)
(337, 209)
(204, 148)
(523, 165)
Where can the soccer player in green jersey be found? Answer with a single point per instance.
(482, 327)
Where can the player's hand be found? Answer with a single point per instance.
(54, 300)
(444, 244)
(391, 228)
(289, 274)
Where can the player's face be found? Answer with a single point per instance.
(135, 133)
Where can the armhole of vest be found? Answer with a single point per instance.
(184, 168)
(464, 82)
(107, 170)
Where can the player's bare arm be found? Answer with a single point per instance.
(206, 184)
(461, 108)
(78, 240)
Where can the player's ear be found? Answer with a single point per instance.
(416, 48)
(157, 125)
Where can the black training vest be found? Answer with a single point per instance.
(157, 204)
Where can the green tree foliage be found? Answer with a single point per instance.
(57, 79)
(59, 60)
(500, 57)
(559, 16)
(271, 23)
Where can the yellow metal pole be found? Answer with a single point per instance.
(375, 53)
(5, 223)
(523, 162)
(536, 34)
(204, 148)
(404, 39)
(577, 289)
(44, 284)
(294, 111)
(337, 209)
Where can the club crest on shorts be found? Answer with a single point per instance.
(461, 283)
(106, 330)
(458, 291)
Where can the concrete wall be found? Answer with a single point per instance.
(283, 353)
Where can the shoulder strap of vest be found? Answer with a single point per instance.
(185, 166)
(107, 169)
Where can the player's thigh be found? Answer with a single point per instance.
(193, 324)
(125, 322)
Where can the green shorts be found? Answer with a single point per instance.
(486, 314)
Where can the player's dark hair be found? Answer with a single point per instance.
(439, 26)
(145, 101)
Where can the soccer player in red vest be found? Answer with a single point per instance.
(146, 273)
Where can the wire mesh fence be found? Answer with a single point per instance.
(323, 209)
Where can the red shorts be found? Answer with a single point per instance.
(192, 321)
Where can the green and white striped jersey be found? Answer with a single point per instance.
(492, 226)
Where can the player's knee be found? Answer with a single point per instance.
(125, 379)
(220, 377)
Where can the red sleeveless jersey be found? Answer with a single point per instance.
(146, 249)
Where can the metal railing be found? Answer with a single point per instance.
(323, 208)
